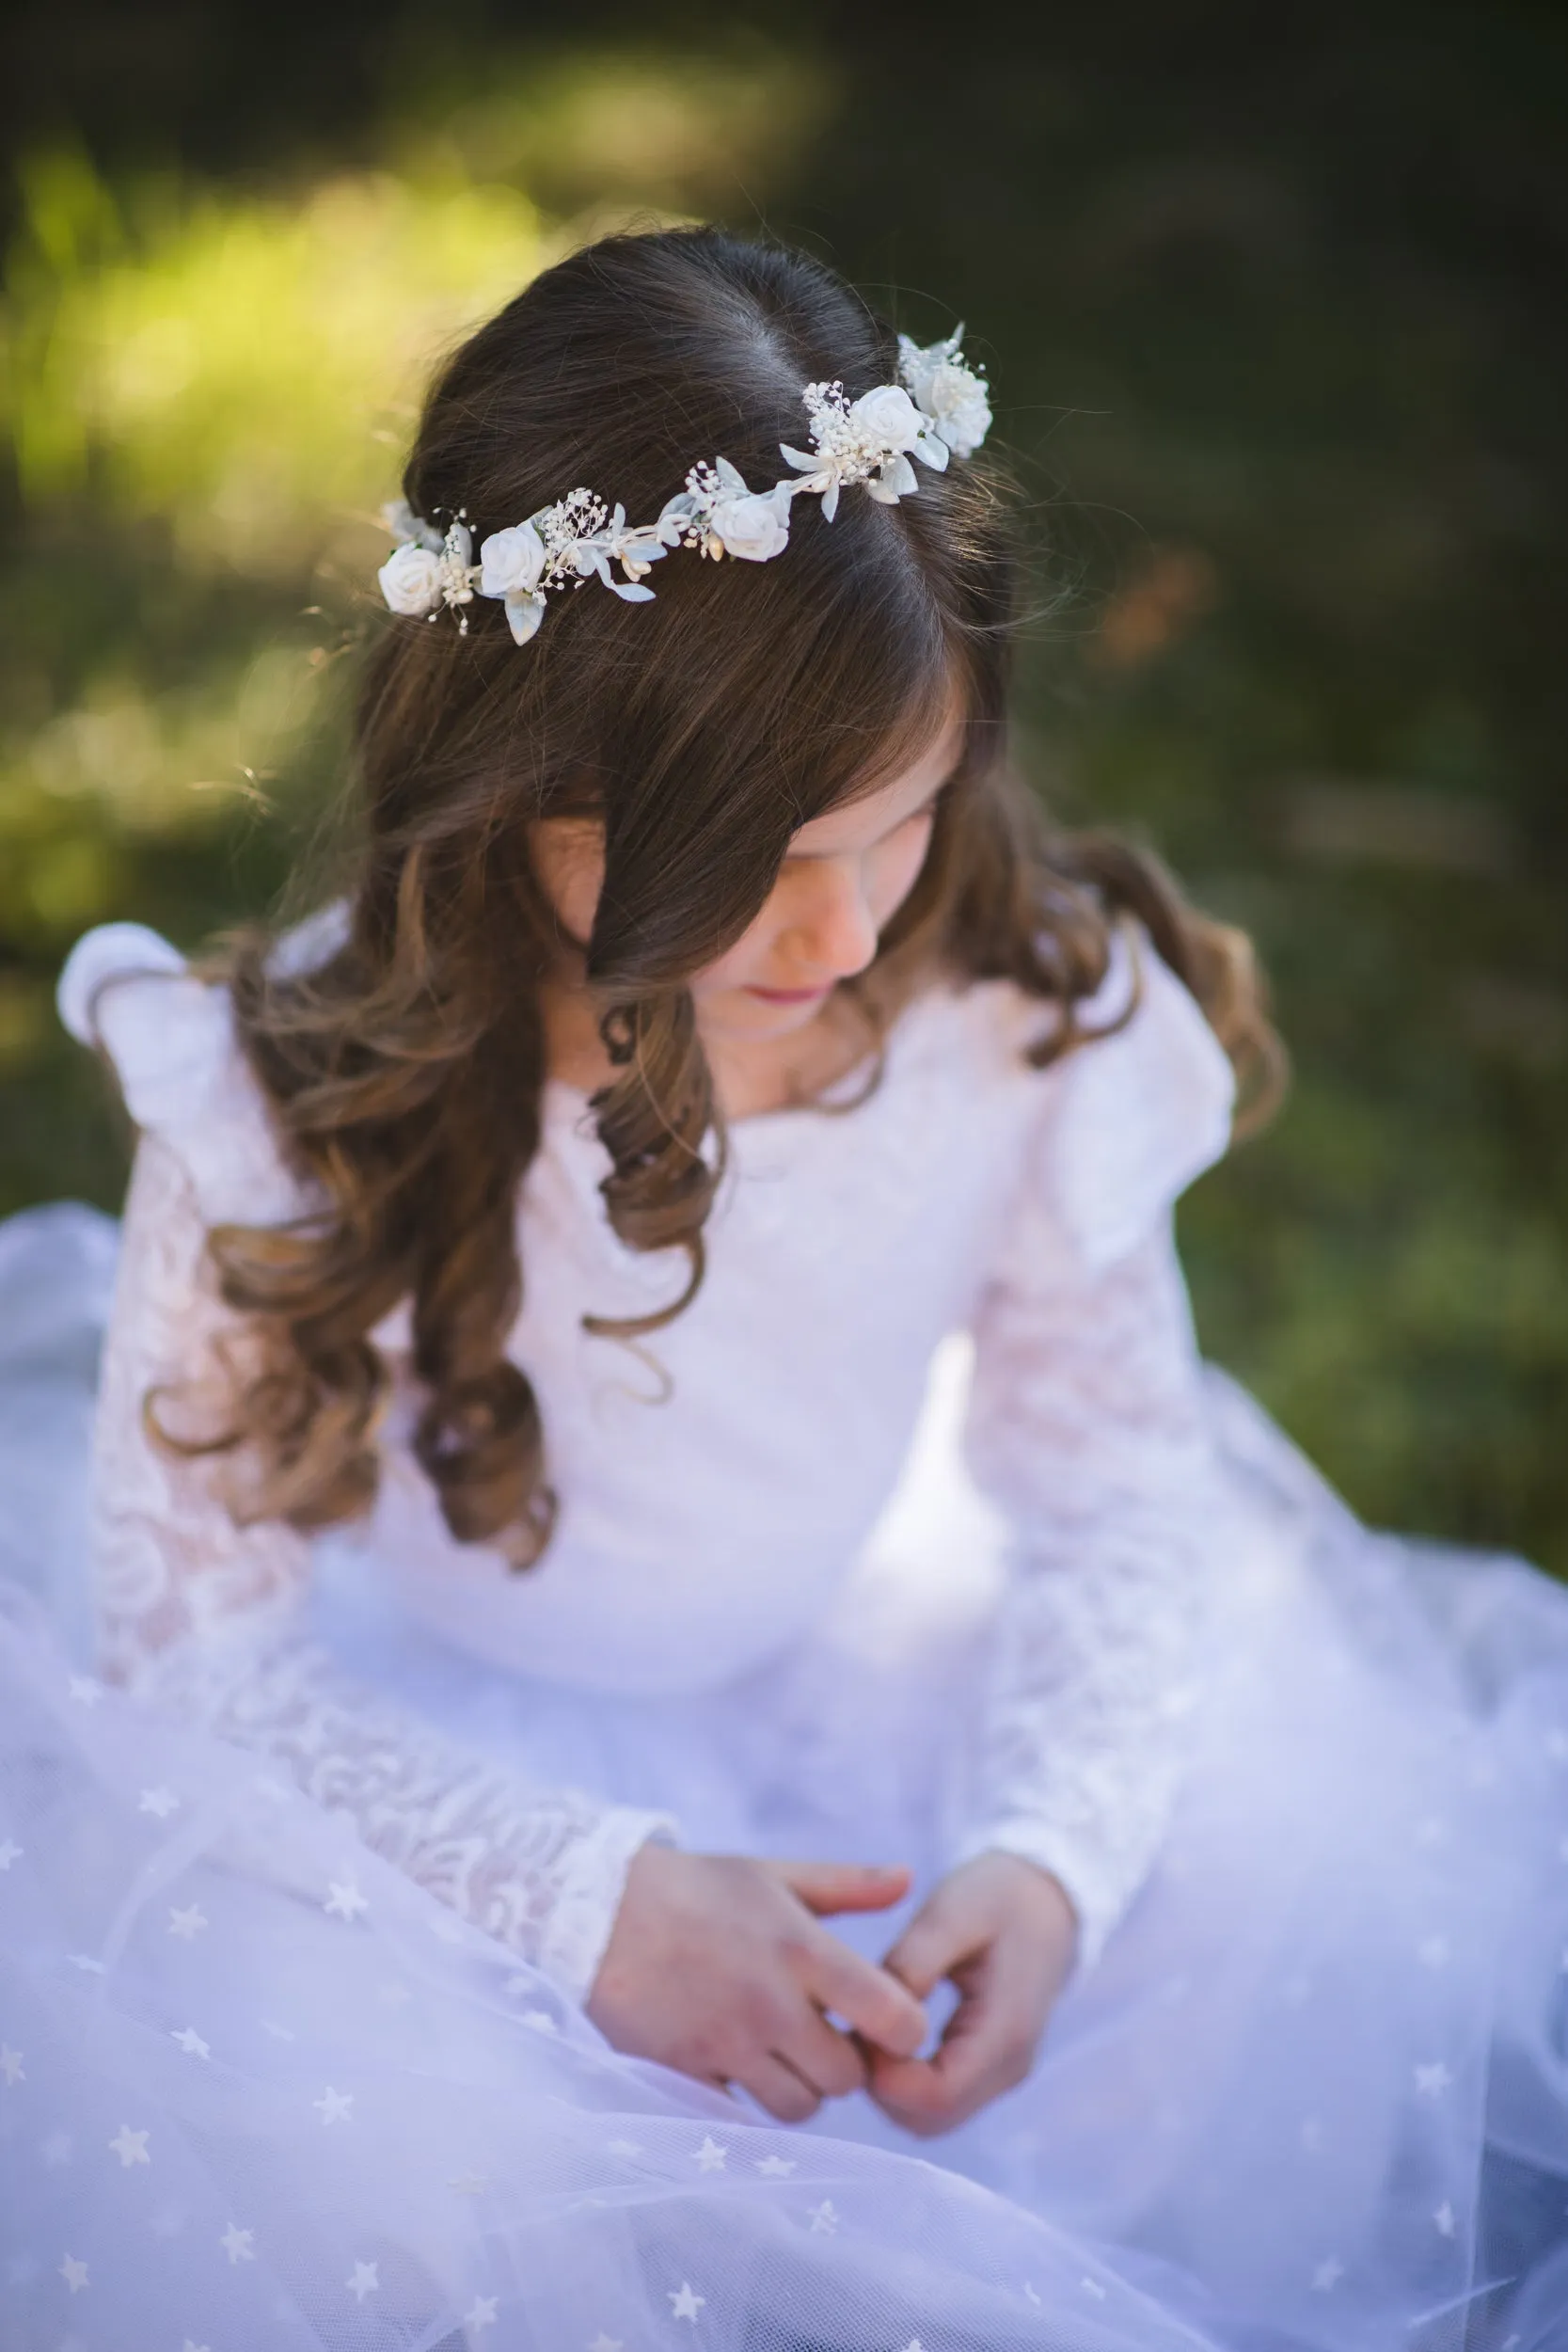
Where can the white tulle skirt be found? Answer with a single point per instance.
(1314, 2095)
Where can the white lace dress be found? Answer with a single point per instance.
(922, 1531)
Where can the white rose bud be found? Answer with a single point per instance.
(411, 580)
(754, 527)
(888, 416)
(511, 561)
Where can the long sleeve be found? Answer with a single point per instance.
(202, 1617)
(1087, 1427)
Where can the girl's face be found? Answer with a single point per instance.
(844, 878)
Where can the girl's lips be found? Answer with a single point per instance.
(789, 995)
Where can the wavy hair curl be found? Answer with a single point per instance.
(404, 1073)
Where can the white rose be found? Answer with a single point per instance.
(888, 418)
(511, 561)
(957, 404)
(411, 580)
(754, 525)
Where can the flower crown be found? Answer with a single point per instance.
(940, 407)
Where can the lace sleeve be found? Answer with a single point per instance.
(199, 1616)
(1087, 1425)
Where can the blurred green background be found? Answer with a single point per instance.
(1273, 315)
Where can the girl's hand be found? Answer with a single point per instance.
(717, 1965)
(1004, 1933)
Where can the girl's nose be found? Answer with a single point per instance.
(834, 929)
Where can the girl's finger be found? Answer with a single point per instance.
(870, 2000)
(986, 2047)
(938, 1939)
(825, 1887)
(829, 2060)
(775, 2085)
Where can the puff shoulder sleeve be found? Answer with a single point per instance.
(1087, 1427)
(199, 1616)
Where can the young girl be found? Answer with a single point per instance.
(703, 1726)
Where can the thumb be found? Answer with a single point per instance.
(829, 1886)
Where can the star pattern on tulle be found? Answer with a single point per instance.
(344, 1900)
(278, 2033)
(189, 1922)
(12, 2068)
(605, 2344)
(540, 2020)
(1033, 2294)
(1093, 2287)
(1432, 2080)
(10, 1852)
(363, 2280)
(775, 2167)
(238, 2244)
(480, 2311)
(468, 2183)
(1328, 2275)
(625, 2148)
(1446, 2219)
(74, 2273)
(84, 1690)
(710, 2158)
(160, 1801)
(683, 2303)
(824, 2220)
(335, 2107)
(189, 2347)
(88, 1967)
(131, 2147)
(191, 2043)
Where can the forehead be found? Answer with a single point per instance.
(855, 823)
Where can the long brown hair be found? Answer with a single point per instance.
(404, 1073)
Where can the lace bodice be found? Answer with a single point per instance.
(714, 1496)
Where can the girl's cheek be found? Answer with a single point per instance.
(900, 870)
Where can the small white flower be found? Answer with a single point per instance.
(753, 526)
(952, 396)
(962, 412)
(511, 561)
(411, 580)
